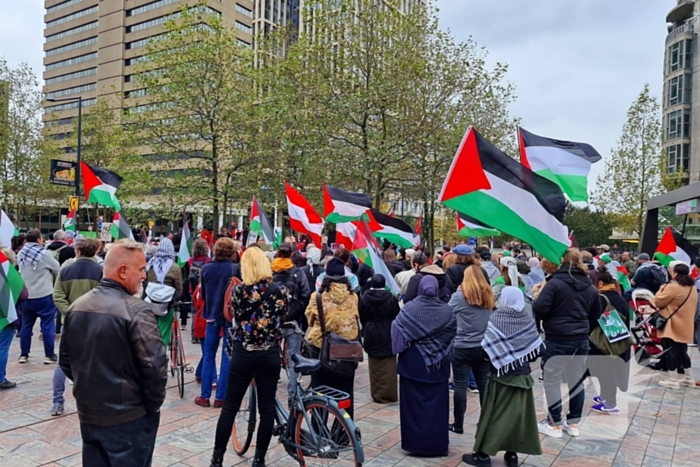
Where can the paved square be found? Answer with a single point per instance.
(658, 427)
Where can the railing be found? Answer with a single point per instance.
(688, 27)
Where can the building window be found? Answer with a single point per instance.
(73, 46)
(149, 7)
(72, 61)
(678, 90)
(680, 55)
(139, 43)
(165, 19)
(76, 15)
(243, 27)
(77, 74)
(244, 11)
(63, 5)
(243, 43)
(68, 106)
(678, 124)
(135, 93)
(69, 91)
(678, 157)
(59, 122)
(135, 60)
(70, 32)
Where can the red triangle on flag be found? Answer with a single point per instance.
(523, 150)
(668, 243)
(254, 210)
(328, 205)
(90, 180)
(466, 173)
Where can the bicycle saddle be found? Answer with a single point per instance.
(305, 365)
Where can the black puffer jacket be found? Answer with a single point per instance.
(568, 305)
(456, 275)
(112, 350)
(378, 308)
(444, 284)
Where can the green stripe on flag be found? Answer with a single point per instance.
(574, 186)
(105, 198)
(664, 259)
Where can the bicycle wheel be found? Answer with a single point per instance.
(323, 435)
(244, 424)
(180, 366)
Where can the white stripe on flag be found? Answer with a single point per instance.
(557, 160)
(346, 209)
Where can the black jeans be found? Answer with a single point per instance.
(464, 361)
(264, 366)
(565, 359)
(125, 445)
(676, 355)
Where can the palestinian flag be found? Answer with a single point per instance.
(623, 278)
(469, 227)
(7, 230)
(419, 225)
(120, 227)
(71, 221)
(345, 234)
(393, 230)
(366, 249)
(500, 192)
(564, 162)
(572, 239)
(11, 285)
(100, 186)
(390, 213)
(344, 206)
(184, 254)
(674, 247)
(260, 224)
(302, 215)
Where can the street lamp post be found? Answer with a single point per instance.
(80, 137)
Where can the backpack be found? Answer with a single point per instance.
(288, 281)
(56, 253)
(228, 306)
(658, 278)
(195, 273)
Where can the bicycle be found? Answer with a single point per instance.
(178, 363)
(305, 351)
(316, 428)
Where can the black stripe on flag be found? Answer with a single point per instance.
(389, 221)
(582, 150)
(359, 199)
(685, 245)
(471, 220)
(107, 176)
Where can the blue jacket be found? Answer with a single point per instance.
(216, 275)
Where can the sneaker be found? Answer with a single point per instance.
(7, 384)
(23, 359)
(601, 408)
(476, 460)
(511, 459)
(202, 402)
(452, 428)
(545, 428)
(56, 409)
(50, 360)
(571, 430)
(451, 387)
(474, 390)
(598, 400)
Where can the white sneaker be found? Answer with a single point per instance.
(546, 429)
(572, 429)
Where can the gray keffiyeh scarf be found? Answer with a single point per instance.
(162, 259)
(30, 254)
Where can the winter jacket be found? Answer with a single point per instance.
(444, 283)
(173, 278)
(471, 321)
(113, 352)
(76, 280)
(281, 267)
(568, 305)
(312, 272)
(65, 251)
(340, 312)
(680, 327)
(402, 280)
(378, 308)
(39, 278)
(216, 276)
(395, 267)
(455, 274)
(644, 278)
(491, 271)
(631, 266)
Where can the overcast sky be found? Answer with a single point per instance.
(577, 65)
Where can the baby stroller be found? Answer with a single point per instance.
(648, 349)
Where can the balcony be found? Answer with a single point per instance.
(683, 11)
(686, 28)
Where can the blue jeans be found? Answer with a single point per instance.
(45, 310)
(6, 336)
(59, 385)
(565, 359)
(198, 371)
(128, 444)
(211, 346)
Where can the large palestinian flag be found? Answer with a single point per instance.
(302, 215)
(100, 185)
(260, 223)
(186, 242)
(7, 230)
(674, 247)
(344, 206)
(564, 162)
(11, 285)
(393, 230)
(365, 248)
(71, 221)
(498, 191)
(120, 227)
(467, 226)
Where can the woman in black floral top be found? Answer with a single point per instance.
(259, 307)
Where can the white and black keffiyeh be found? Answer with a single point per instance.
(30, 254)
(162, 259)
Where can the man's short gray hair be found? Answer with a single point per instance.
(59, 235)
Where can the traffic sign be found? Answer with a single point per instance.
(151, 224)
(472, 241)
(73, 203)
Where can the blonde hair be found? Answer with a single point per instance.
(476, 289)
(572, 258)
(255, 267)
(448, 261)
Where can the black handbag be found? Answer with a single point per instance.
(659, 321)
(338, 355)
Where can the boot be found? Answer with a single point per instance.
(687, 380)
(259, 458)
(672, 382)
(217, 458)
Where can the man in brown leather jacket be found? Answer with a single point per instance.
(113, 352)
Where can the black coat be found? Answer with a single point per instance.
(378, 308)
(456, 275)
(444, 284)
(395, 267)
(312, 273)
(568, 305)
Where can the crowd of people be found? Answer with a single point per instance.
(465, 318)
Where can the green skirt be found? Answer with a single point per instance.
(165, 325)
(508, 420)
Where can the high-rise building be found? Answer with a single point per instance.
(681, 94)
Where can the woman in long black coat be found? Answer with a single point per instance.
(378, 308)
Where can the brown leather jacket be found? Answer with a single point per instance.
(112, 350)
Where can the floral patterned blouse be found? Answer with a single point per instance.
(258, 310)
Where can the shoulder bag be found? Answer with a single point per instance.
(602, 341)
(338, 355)
(659, 321)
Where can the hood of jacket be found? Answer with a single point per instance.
(281, 264)
(575, 277)
(437, 273)
(56, 244)
(338, 293)
(376, 297)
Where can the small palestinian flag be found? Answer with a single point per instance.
(71, 221)
(564, 162)
(11, 285)
(302, 215)
(344, 206)
(120, 227)
(393, 230)
(260, 224)
(185, 252)
(674, 247)
(469, 227)
(572, 239)
(391, 211)
(366, 250)
(419, 225)
(7, 230)
(345, 234)
(100, 186)
(498, 191)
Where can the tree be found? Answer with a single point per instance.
(590, 227)
(633, 172)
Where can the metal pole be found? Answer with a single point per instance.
(80, 144)
(685, 221)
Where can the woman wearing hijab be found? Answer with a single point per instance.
(536, 272)
(508, 420)
(423, 336)
(378, 308)
(163, 269)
